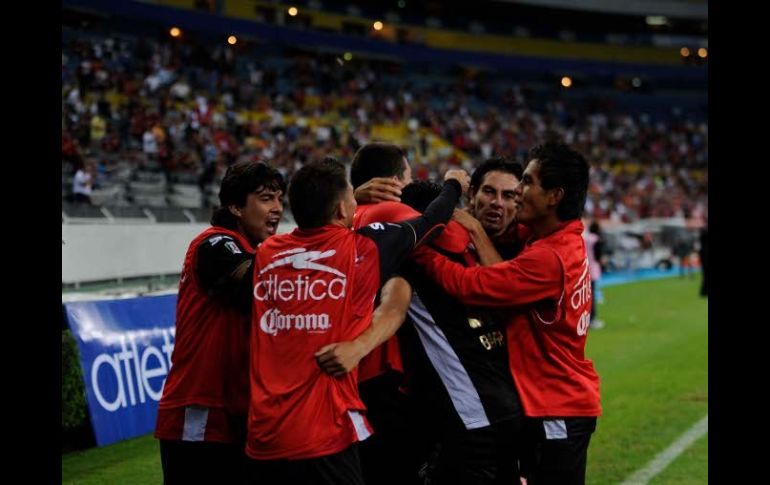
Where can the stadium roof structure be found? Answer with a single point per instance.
(658, 60)
(691, 9)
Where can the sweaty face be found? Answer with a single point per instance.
(259, 218)
(532, 201)
(493, 202)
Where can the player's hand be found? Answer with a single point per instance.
(459, 175)
(379, 189)
(465, 219)
(339, 358)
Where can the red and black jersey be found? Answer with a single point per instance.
(207, 385)
(456, 356)
(454, 239)
(548, 289)
(312, 288)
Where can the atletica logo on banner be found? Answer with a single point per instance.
(131, 369)
(125, 348)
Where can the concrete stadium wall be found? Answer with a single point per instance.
(94, 252)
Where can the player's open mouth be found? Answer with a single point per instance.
(272, 225)
(493, 217)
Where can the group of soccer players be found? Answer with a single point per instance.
(392, 340)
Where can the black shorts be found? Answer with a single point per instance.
(555, 450)
(187, 462)
(343, 468)
(402, 439)
(484, 456)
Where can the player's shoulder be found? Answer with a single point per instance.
(222, 242)
(386, 212)
(379, 229)
(215, 238)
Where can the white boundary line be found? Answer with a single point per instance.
(665, 457)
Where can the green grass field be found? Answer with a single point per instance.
(652, 357)
(653, 361)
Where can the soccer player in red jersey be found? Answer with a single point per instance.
(313, 287)
(201, 421)
(547, 289)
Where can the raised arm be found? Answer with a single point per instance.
(396, 240)
(438, 212)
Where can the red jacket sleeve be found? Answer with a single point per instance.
(534, 275)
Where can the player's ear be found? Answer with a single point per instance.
(555, 196)
(235, 210)
(340, 211)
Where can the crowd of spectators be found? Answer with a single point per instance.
(185, 111)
